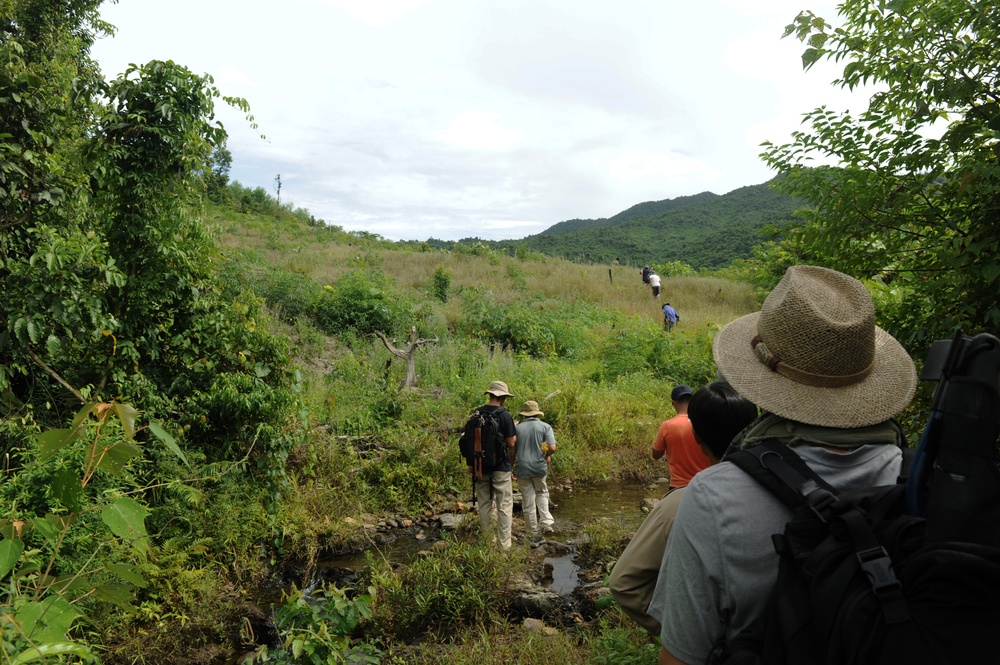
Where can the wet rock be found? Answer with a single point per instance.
(533, 625)
(425, 553)
(406, 524)
(440, 546)
(393, 524)
(535, 601)
(648, 504)
(421, 536)
(556, 547)
(448, 521)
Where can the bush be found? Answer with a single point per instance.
(290, 294)
(316, 629)
(363, 301)
(442, 282)
(680, 357)
(466, 584)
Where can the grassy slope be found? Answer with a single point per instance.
(604, 427)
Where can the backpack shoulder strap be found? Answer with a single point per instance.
(785, 475)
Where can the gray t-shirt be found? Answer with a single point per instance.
(720, 562)
(530, 463)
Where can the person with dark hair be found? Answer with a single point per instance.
(675, 441)
(829, 381)
(717, 414)
(670, 317)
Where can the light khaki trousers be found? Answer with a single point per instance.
(503, 500)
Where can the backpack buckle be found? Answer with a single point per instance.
(877, 565)
(820, 500)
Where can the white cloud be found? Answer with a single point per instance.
(377, 13)
(636, 165)
(479, 130)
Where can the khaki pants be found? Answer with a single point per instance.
(535, 502)
(503, 498)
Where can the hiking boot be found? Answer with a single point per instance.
(548, 530)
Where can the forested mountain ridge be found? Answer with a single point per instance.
(646, 209)
(704, 230)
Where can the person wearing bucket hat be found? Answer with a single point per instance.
(498, 490)
(536, 441)
(675, 440)
(828, 381)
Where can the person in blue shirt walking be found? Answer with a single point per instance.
(670, 317)
(535, 444)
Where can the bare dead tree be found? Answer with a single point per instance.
(409, 355)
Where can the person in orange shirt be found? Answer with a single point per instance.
(675, 439)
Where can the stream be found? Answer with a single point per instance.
(572, 510)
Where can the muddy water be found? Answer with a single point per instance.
(572, 511)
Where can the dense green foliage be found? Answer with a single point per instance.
(913, 202)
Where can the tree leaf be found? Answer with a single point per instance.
(47, 620)
(43, 651)
(66, 487)
(116, 594)
(167, 440)
(125, 517)
(53, 440)
(117, 457)
(127, 414)
(10, 552)
(127, 573)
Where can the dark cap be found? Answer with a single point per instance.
(680, 392)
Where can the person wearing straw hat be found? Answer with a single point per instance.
(498, 489)
(536, 441)
(828, 382)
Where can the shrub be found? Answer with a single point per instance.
(316, 629)
(680, 357)
(466, 584)
(442, 282)
(363, 301)
(290, 294)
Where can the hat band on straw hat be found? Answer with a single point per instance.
(775, 364)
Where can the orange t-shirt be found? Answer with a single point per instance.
(684, 457)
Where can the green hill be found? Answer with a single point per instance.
(704, 230)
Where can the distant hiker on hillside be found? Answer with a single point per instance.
(490, 457)
(670, 317)
(535, 444)
(654, 281)
(645, 274)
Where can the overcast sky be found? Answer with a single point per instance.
(491, 118)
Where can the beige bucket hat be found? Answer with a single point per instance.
(530, 409)
(813, 353)
(499, 389)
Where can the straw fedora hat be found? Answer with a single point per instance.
(813, 353)
(530, 409)
(499, 389)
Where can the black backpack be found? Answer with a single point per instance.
(862, 577)
(492, 449)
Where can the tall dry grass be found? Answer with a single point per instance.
(701, 300)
